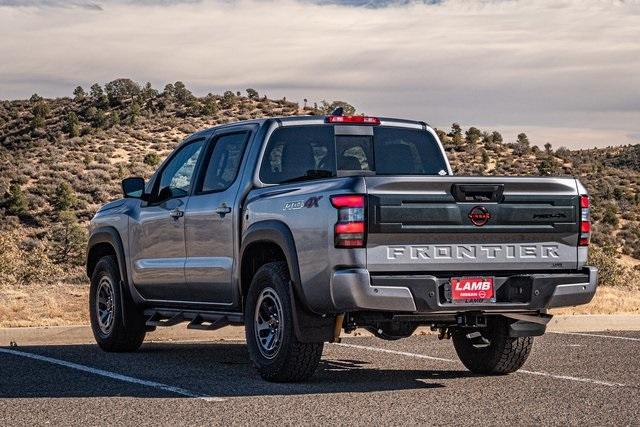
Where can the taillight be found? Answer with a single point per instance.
(362, 120)
(350, 230)
(585, 221)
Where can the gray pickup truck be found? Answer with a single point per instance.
(302, 227)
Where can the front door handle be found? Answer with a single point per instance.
(176, 213)
(223, 209)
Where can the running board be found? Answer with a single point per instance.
(207, 321)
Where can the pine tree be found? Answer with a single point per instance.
(79, 93)
(72, 125)
(64, 197)
(17, 204)
(456, 130)
(68, 239)
(96, 91)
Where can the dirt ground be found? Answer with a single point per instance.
(66, 304)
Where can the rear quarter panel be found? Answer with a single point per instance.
(311, 225)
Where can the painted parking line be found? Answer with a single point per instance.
(400, 353)
(113, 375)
(521, 371)
(583, 334)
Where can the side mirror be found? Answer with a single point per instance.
(133, 187)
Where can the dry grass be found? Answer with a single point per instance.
(608, 301)
(43, 305)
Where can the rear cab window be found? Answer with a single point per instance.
(307, 152)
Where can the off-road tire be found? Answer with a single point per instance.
(118, 338)
(503, 356)
(294, 360)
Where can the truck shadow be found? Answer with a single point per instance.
(212, 369)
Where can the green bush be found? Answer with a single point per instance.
(151, 159)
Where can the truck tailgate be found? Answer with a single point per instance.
(450, 224)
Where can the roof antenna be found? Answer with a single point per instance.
(338, 111)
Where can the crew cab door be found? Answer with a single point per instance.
(157, 243)
(212, 218)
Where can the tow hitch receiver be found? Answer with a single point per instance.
(471, 320)
(477, 340)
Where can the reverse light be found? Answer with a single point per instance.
(350, 230)
(585, 221)
(362, 120)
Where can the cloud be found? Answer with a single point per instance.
(89, 5)
(557, 65)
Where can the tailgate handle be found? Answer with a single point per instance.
(477, 192)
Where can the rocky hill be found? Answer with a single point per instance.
(61, 158)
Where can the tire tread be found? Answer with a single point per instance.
(299, 360)
(504, 355)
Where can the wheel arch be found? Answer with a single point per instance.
(105, 241)
(273, 241)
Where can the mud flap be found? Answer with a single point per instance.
(523, 328)
(309, 327)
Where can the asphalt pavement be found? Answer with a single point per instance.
(571, 378)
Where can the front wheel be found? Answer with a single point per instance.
(502, 355)
(273, 347)
(117, 324)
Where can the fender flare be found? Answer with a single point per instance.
(111, 236)
(279, 233)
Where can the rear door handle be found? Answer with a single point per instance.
(223, 209)
(176, 213)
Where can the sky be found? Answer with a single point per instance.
(563, 71)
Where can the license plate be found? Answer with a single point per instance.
(472, 290)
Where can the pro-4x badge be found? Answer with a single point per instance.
(311, 202)
(479, 216)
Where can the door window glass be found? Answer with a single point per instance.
(224, 162)
(175, 179)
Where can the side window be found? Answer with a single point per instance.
(299, 153)
(175, 178)
(223, 163)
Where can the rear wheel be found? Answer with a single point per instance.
(273, 347)
(117, 324)
(502, 355)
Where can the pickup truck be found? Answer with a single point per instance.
(302, 227)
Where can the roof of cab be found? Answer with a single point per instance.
(206, 132)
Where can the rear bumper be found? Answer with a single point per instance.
(356, 290)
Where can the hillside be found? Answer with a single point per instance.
(61, 158)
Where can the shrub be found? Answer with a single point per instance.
(24, 265)
(151, 159)
(348, 109)
(17, 203)
(610, 215)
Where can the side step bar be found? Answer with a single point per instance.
(207, 321)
